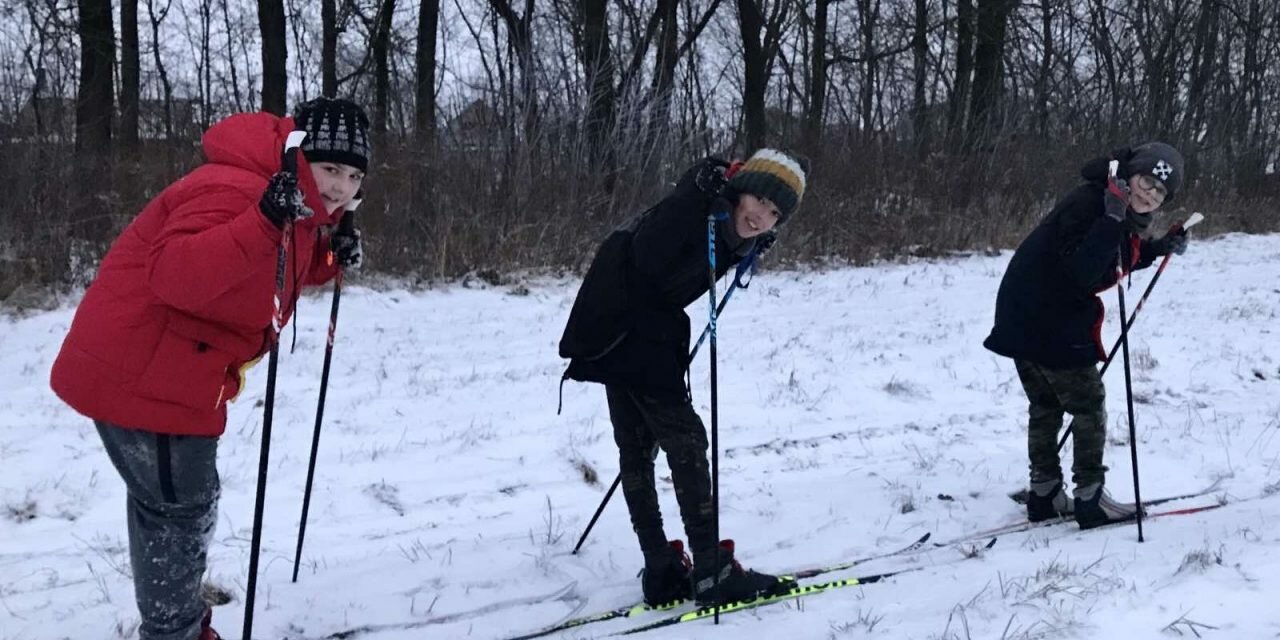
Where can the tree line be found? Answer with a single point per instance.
(512, 134)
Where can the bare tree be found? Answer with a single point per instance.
(94, 104)
(129, 65)
(817, 74)
(329, 48)
(157, 18)
(425, 79)
(761, 37)
(957, 109)
(520, 36)
(993, 21)
(275, 73)
(382, 78)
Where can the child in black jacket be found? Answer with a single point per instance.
(1049, 318)
(628, 330)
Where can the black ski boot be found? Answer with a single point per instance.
(1048, 500)
(667, 576)
(735, 583)
(1095, 507)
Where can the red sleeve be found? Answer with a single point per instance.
(207, 246)
(324, 267)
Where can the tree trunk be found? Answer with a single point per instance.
(817, 76)
(425, 87)
(957, 109)
(382, 73)
(1203, 59)
(329, 47)
(94, 109)
(755, 74)
(520, 36)
(129, 64)
(869, 15)
(597, 63)
(993, 21)
(1046, 68)
(275, 77)
(94, 104)
(920, 62)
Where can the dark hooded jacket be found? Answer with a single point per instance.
(1047, 308)
(628, 325)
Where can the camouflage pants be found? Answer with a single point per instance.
(642, 423)
(173, 489)
(1052, 392)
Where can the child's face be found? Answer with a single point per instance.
(754, 215)
(338, 183)
(1146, 193)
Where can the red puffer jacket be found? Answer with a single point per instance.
(184, 297)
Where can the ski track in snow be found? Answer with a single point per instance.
(858, 411)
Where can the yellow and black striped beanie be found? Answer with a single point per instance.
(772, 174)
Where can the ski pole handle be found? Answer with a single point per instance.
(1195, 219)
(289, 159)
(288, 162)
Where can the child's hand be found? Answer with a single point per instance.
(1116, 199)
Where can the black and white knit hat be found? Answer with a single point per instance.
(772, 174)
(337, 131)
(1160, 160)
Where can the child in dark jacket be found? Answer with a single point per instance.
(628, 330)
(1049, 318)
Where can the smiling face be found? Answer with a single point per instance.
(1146, 193)
(754, 215)
(338, 183)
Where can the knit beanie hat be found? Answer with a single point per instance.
(772, 174)
(1160, 160)
(337, 131)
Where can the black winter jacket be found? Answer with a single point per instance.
(1047, 307)
(628, 325)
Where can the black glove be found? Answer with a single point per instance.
(347, 249)
(1173, 242)
(282, 201)
(764, 242)
(345, 241)
(1115, 200)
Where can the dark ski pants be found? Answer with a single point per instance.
(641, 423)
(1051, 393)
(173, 489)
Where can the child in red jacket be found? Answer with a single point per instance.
(181, 304)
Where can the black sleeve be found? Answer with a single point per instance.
(669, 232)
(1146, 255)
(1089, 242)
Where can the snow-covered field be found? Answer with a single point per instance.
(863, 414)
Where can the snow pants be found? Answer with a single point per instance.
(173, 490)
(643, 423)
(1051, 393)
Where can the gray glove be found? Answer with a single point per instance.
(1115, 200)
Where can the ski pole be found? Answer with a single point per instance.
(1195, 219)
(1128, 392)
(347, 225)
(288, 162)
(746, 266)
(711, 327)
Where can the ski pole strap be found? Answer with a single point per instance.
(746, 267)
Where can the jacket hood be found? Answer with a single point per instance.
(253, 142)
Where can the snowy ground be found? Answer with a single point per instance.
(865, 414)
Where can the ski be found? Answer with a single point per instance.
(1024, 525)
(639, 609)
(798, 591)
(566, 593)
